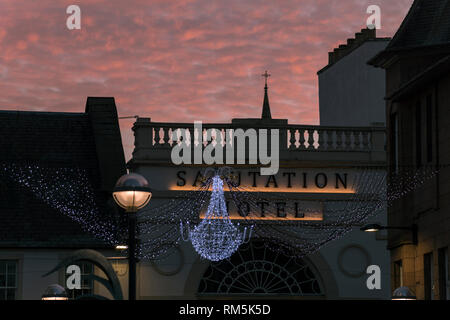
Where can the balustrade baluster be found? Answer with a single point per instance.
(338, 139)
(165, 137)
(157, 137)
(357, 142)
(219, 140)
(320, 139)
(204, 137)
(330, 140)
(301, 139)
(348, 140)
(174, 137)
(292, 139)
(311, 139)
(365, 139)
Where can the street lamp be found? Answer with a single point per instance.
(377, 227)
(132, 193)
(403, 293)
(55, 292)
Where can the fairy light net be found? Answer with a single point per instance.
(68, 190)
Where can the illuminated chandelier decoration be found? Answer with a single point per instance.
(216, 238)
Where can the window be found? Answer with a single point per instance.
(87, 285)
(443, 274)
(256, 270)
(8, 279)
(394, 141)
(429, 128)
(418, 139)
(398, 274)
(428, 276)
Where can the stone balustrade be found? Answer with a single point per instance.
(152, 139)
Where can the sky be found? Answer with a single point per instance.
(182, 60)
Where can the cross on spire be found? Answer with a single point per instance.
(266, 75)
(266, 107)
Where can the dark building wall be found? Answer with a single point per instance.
(429, 205)
(102, 113)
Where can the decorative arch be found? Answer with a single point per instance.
(257, 270)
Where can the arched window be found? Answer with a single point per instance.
(255, 269)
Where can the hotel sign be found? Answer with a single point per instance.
(300, 181)
(275, 199)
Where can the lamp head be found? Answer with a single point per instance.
(371, 228)
(132, 192)
(403, 293)
(55, 292)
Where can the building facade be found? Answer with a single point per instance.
(351, 92)
(319, 165)
(313, 163)
(39, 152)
(417, 111)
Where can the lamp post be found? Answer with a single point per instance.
(377, 227)
(132, 193)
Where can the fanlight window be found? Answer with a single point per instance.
(255, 269)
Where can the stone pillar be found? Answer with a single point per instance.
(143, 138)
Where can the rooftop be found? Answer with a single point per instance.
(352, 44)
(84, 141)
(427, 25)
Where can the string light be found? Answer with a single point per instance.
(69, 191)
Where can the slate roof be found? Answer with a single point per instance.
(56, 139)
(426, 26)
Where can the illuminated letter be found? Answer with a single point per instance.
(325, 180)
(273, 180)
(342, 181)
(289, 174)
(281, 213)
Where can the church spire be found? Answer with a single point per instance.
(266, 107)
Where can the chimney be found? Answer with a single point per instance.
(352, 43)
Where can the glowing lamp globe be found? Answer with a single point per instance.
(403, 293)
(55, 292)
(372, 228)
(132, 192)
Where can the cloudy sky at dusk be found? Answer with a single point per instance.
(180, 60)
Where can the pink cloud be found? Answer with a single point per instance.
(177, 60)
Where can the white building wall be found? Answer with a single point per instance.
(351, 93)
(341, 263)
